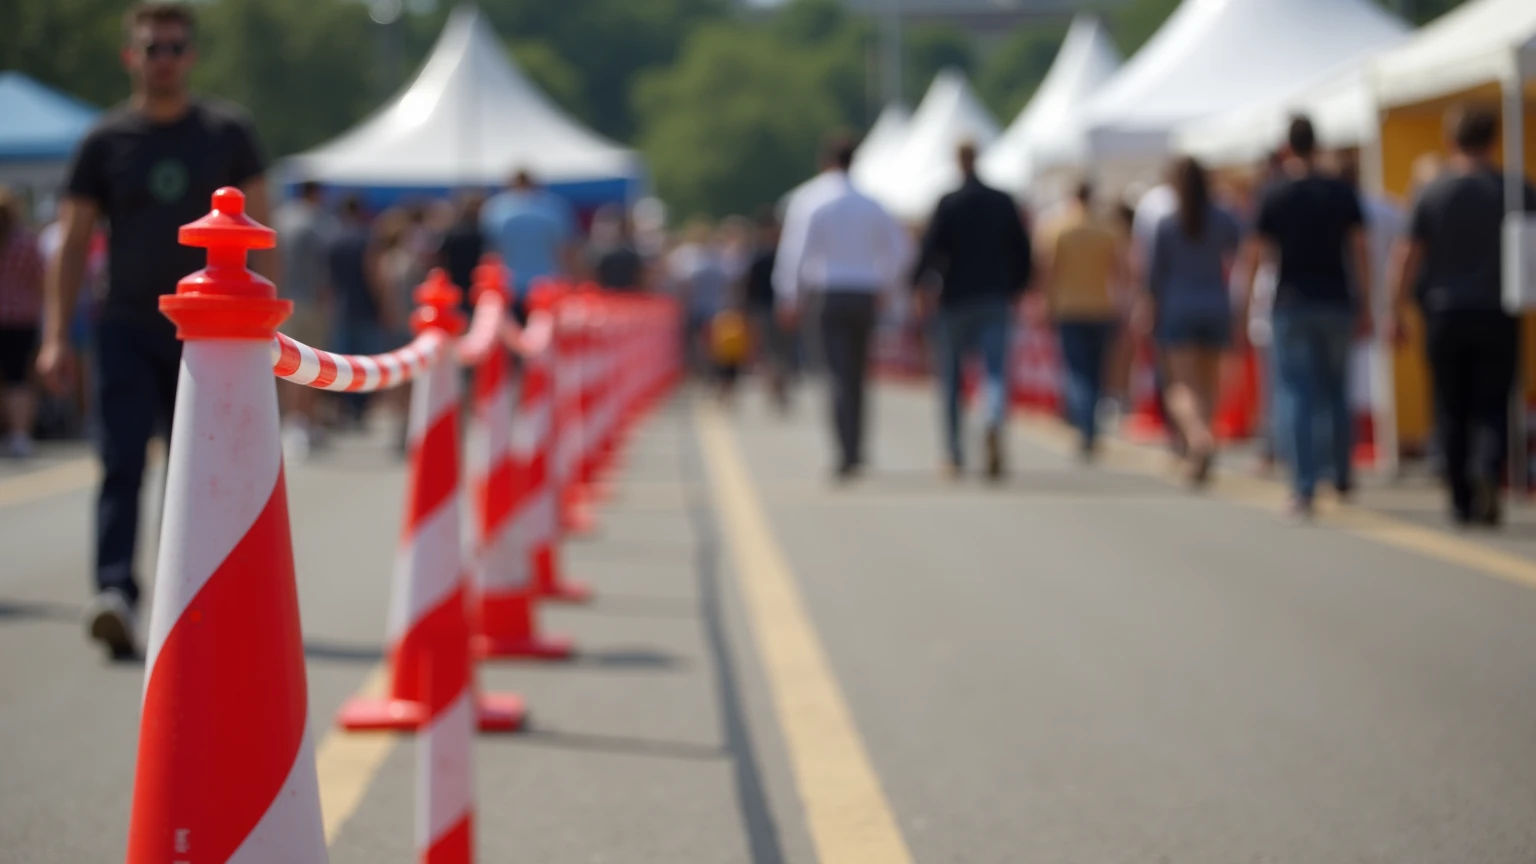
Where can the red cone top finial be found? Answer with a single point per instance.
(438, 305)
(225, 300)
(490, 276)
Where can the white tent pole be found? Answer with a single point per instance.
(1514, 203)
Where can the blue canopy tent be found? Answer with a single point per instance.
(39, 128)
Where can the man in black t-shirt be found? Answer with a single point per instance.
(1453, 256)
(147, 168)
(1312, 229)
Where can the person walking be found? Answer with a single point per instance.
(21, 309)
(1186, 304)
(534, 232)
(980, 254)
(844, 246)
(612, 257)
(147, 168)
(1453, 252)
(462, 244)
(1311, 229)
(1083, 264)
(365, 311)
(773, 344)
(303, 231)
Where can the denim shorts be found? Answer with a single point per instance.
(1213, 332)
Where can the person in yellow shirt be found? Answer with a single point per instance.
(1083, 265)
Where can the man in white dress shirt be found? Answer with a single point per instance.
(840, 243)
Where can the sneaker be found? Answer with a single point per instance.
(1298, 511)
(111, 621)
(1486, 506)
(995, 468)
(19, 445)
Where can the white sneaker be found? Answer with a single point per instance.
(112, 622)
(19, 445)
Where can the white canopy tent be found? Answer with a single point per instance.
(470, 118)
(1087, 58)
(1340, 106)
(881, 144)
(1482, 42)
(1213, 55)
(913, 179)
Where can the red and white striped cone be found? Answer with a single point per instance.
(429, 614)
(445, 781)
(507, 471)
(226, 766)
(540, 436)
(571, 375)
(596, 401)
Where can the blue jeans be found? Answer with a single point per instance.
(1311, 353)
(1083, 346)
(980, 326)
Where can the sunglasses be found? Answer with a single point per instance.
(156, 50)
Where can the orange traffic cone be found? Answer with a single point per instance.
(226, 766)
(429, 616)
(507, 473)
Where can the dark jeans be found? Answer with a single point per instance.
(980, 326)
(1472, 361)
(847, 320)
(1311, 351)
(1084, 345)
(135, 390)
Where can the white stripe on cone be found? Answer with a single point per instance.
(444, 772)
(234, 470)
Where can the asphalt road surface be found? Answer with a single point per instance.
(1081, 665)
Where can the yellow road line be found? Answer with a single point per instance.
(47, 482)
(1269, 494)
(849, 818)
(347, 764)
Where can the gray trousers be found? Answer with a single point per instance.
(847, 322)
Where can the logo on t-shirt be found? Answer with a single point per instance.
(168, 181)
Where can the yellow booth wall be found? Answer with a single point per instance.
(1407, 132)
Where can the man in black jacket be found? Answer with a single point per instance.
(978, 249)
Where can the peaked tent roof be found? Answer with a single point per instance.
(1340, 106)
(470, 117)
(882, 143)
(1474, 44)
(41, 124)
(1087, 58)
(1212, 55)
(915, 177)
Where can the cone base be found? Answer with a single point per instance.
(566, 592)
(523, 647)
(495, 712)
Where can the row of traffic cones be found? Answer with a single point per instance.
(226, 766)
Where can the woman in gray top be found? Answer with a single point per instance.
(1186, 303)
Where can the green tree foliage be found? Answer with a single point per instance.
(302, 84)
(552, 73)
(735, 122)
(933, 47)
(611, 42)
(69, 44)
(1010, 76)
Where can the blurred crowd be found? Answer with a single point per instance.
(350, 270)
